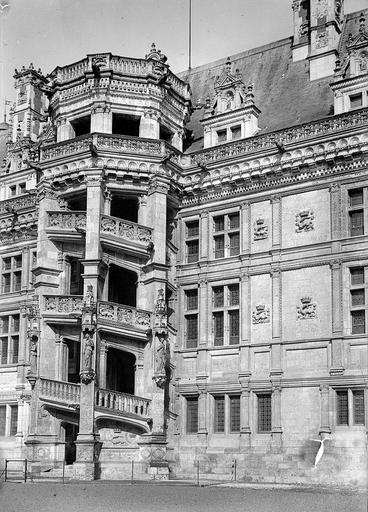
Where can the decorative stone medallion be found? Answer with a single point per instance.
(261, 315)
(260, 230)
(304, 221)
(307, 309)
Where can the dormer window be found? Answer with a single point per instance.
(356, 100)
(221, 136)
(236, 132)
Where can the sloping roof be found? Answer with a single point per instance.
(282, 88)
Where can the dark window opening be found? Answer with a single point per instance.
(165, 134)
(221, 136)
(235, 413)
(123, 124)
(81, 126)
(264, 413)
(73, 361)
(124, 208)
(219, 414)
(356, 100)
(120, 371)
(76, 279)
(192, 415)
(70, 433)
(78, 203)
(122, 286)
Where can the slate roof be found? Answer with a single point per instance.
(282, 88)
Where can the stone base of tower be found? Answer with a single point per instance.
(153, 451)
(86, 466)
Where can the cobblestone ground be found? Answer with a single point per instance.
(120, 497)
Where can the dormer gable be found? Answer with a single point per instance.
(231, 112)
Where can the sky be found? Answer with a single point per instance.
(49, 33)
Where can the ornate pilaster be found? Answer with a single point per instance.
(337, 344)
(204, 233)
(32, 313)
(325, 413)
(276, 351)
(335, 209)
(276, 415)
(245, 237)
(245, 429)
(276, 221)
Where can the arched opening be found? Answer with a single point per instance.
(122, 286)
(120, 371)
(124, 208)
(70, 436)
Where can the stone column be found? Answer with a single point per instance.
(143, 214)
(149, 126)
(245, 326)
(337, 342)
(103, 364)
(203, 328)
(101, 118)
(64, 130)
(177, 139)
(245, 430)
(245, 227)
(202, 412)
(25, 268)
(325, 412)
(276, 349)
(204, 235)
(276, 222)
(335, 210)
(276, 415)
(87, 440)
(107, 205)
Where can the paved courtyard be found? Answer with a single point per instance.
(120, 497)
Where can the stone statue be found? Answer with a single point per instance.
(160, 355)
(87, 351)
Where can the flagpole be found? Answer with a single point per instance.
(190, 34)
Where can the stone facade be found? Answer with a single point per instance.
(179, 284)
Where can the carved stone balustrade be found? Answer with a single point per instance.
(16, 227)
(119, 232)
(22, 202)
(122, 403)
(120, 315)
(114, 144)
(62, 225)
(303, 132)
(63, 304)
(59, 391)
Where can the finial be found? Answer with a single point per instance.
(31, 66)
(362, 22)
(228, 65)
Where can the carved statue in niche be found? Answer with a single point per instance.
(87, 351)
(33, 346)
(160, 354)
(160, 310)
(307, 309)
(304, 221)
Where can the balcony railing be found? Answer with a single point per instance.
(104, 142)
(125, 229)
(63, 304)
(18, 203)
(58, 390)
(124, 315)
(122, 402)
(328, 125)
(66, 220)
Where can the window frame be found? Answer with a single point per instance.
(226, 235)
(261, 395)
(12, 272)
(227, 413)
(188, 422)
(190, 313)
(351, 394)
(227, 309)
(358, 308)
(191, 239)
(9, 427)
(356, 208)
(10, 339)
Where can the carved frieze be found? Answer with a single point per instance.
(321, 39)
(306, 309)
(261, 314)
(304, 221)
(260, 231)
